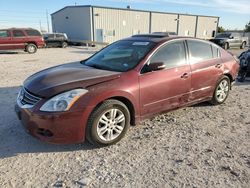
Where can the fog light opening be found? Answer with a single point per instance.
(44, 132)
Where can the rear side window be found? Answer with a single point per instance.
(4, 34)
(59, 36)
(216, 52)
(199, 51)
(18, 33)
(172, 55)
(32, 32)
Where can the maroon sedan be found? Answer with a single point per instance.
(130, 80)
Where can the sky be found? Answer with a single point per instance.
(31, 13)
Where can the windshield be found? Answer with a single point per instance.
(120, 56)
(223, 35)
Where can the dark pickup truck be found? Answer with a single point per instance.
(227, 40)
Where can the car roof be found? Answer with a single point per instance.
(27, 28)
(156, 38)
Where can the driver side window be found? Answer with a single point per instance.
(172, 55)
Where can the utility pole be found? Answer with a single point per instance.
(40, 25)
(47, 15)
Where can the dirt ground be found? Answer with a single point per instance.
(198, 146)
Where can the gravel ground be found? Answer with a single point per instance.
(198, 146)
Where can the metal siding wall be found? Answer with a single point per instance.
(247, 35)
(164, 22)
(187, 23)
(124, 22)
(78, 24)
(207, 24)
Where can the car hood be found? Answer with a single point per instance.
(61, 78)
(219, 39)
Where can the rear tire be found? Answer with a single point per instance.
(243, 45)
(31, 48)
(108, 123)
(221, 91)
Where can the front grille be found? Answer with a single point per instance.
(26, 98)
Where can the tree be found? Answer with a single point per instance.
(221, 29)
(247, 27)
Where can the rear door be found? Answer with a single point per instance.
(206, 67)
(19, 39)
(168, 88)
(5, 40)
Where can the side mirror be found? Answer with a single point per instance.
(155, 66)
(231, 37)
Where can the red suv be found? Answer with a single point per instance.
(27, 39)
(130, 80)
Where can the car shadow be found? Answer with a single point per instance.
(245, 83)
(9, 52)
(14, 139)
(202, 104)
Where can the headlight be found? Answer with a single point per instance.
(63, 101)
(221, 41)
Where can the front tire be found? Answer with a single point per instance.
(108, 123)
(64, 44)
(221, 91)
(31, 48)
(226, 46)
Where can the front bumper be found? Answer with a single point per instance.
(58, 128)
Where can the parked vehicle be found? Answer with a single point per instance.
(244, 65)
(130, 80)
(56, 40)
(228, 40)
(16, 38)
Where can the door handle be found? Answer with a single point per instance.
(218, 65)
(184, 76)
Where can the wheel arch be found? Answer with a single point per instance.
(129, 105)
(230, 78)
(124, 100)
(31, 42)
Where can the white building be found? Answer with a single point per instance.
(105, 24)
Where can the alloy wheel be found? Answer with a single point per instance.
(111, 124)
(222, 90)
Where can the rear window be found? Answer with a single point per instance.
(199, 51)
(223, 35)
(4, 34)
(31, 32)
(60, 36)
(18, 33)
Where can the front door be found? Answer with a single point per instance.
(169, 88)
(5, 40)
